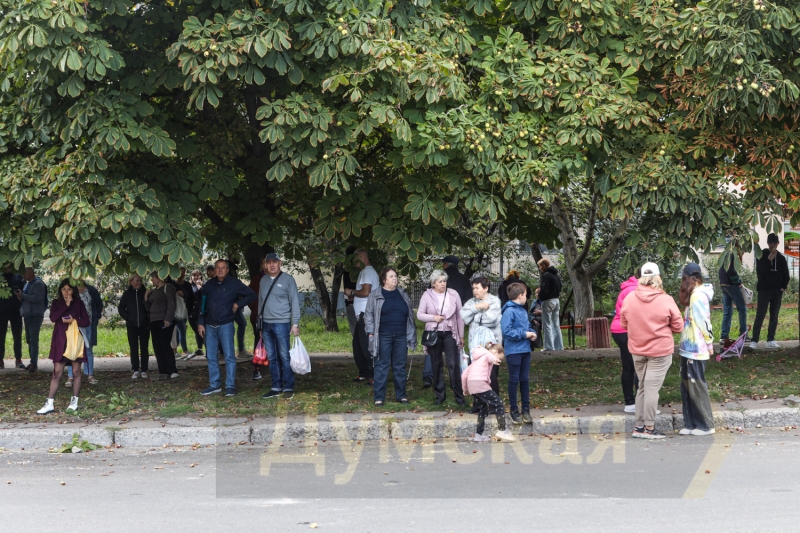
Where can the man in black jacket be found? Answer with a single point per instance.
(9, 312)
(132, 310)
(548, 292)
(455, 279)
(772, 270)
(224, 296)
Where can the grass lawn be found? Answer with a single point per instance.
(114, 341)
(555, 383)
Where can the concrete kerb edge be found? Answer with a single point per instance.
(383, 428)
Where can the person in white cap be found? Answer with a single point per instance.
(651, 317)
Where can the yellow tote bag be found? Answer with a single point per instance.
(74, 342)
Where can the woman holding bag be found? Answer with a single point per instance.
(66, 310)
(389, 323)
(482, 314)
(440, 310)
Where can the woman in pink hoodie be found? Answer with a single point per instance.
(476, 380)
(629, 380)
(651, 317)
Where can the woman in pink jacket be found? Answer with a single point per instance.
(476, 380)
(651, 317)
(440, 309)
(629, 380)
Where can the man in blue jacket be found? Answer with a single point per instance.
(224, 295)
(517, 337)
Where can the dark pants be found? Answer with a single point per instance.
(630, 381)
(138, 342)
(519, 366)
(694, 392)
(446, 344)
(392, 354)
(162, 337)
(771, 299)
(16, 333)
(33, 325)
(361, 350)
(732, 294)
(493, 382)
(197, 338)
(351, 318)
(489, 401)
(427, 369)
(241, 328)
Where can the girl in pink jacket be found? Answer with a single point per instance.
(476, 380)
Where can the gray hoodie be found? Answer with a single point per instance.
(284, 301)
(34, 299)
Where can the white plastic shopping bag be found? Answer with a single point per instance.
(464, 360)
(299, 359)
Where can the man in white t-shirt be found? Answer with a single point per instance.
(367, 282)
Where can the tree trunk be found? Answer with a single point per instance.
(254, 255)
(584, 297)
(328, 301)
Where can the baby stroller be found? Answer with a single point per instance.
(735, 349)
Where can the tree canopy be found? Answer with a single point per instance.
(136, 134)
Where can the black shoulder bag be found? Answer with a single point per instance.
(261, 313)
(431, 337)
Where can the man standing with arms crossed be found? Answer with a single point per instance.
(278, 313)
(224, 296)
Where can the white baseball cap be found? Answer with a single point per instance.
(650, 269)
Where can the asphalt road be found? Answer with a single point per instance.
(729, 483)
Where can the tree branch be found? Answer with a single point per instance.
(564, 224)
(589, 232)
(613, 245)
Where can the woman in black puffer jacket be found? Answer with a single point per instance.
(137, 321)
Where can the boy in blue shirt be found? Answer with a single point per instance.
(517, 334)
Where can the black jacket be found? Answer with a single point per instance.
(9, 307)
(772, 275)
(131, 307)
(502, 292)
(220, 297)
(729, 276)
(550, 284)
(459, 283)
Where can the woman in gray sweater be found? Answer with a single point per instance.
(160, 303)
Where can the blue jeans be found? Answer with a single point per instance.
(220, 338)
(180, 327)
(732, 294)
(519, 366)
(241, 323)
(392, 353)
(551, 325)
(88, 368)
(427, 369)
(33, 325)
(276, 342)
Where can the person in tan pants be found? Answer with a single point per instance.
(650, 316)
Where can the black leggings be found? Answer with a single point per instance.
(630, 381)
(486, 400)
(138, 341)
(445, 343)
(162, 339)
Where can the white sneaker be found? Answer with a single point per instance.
(73, 404)
(658, 411)
(754, 345)
(480, 437)
(144, 375)
(772, 345)
(173, 375)
(48, 407)
(190, 356)
(700, 432)
(630, 408)
(504, 436)
(135, 375)
(685, 431)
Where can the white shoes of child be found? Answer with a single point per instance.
(504, 436)
(479, 437)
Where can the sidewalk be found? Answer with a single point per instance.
(590, 420)
(122, 364)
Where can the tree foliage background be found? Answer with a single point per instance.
(133, 135)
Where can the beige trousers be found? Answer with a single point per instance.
(651, 372)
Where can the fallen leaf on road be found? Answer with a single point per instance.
(193, 465)
(708, 471)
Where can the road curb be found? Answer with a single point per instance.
(368, 428)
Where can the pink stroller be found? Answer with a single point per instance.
(735, 349)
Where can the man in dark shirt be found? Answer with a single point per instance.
(772, 270)
(455, 279)
(732, 295)
(9, 312)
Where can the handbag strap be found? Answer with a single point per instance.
(441, 313)
(274, 282)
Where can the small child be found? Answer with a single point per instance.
(476, 380)
(517, 337)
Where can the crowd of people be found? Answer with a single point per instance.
(502, 329)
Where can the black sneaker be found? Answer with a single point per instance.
(516, 419)
(272, 394)
(256, 375)
(426, 384)
(31, 368)
(211, 390)
(359, 379)
(653, 434)
(230, 392)
(21, 365)
(288, 395)
(638, 432)
(526, 418)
